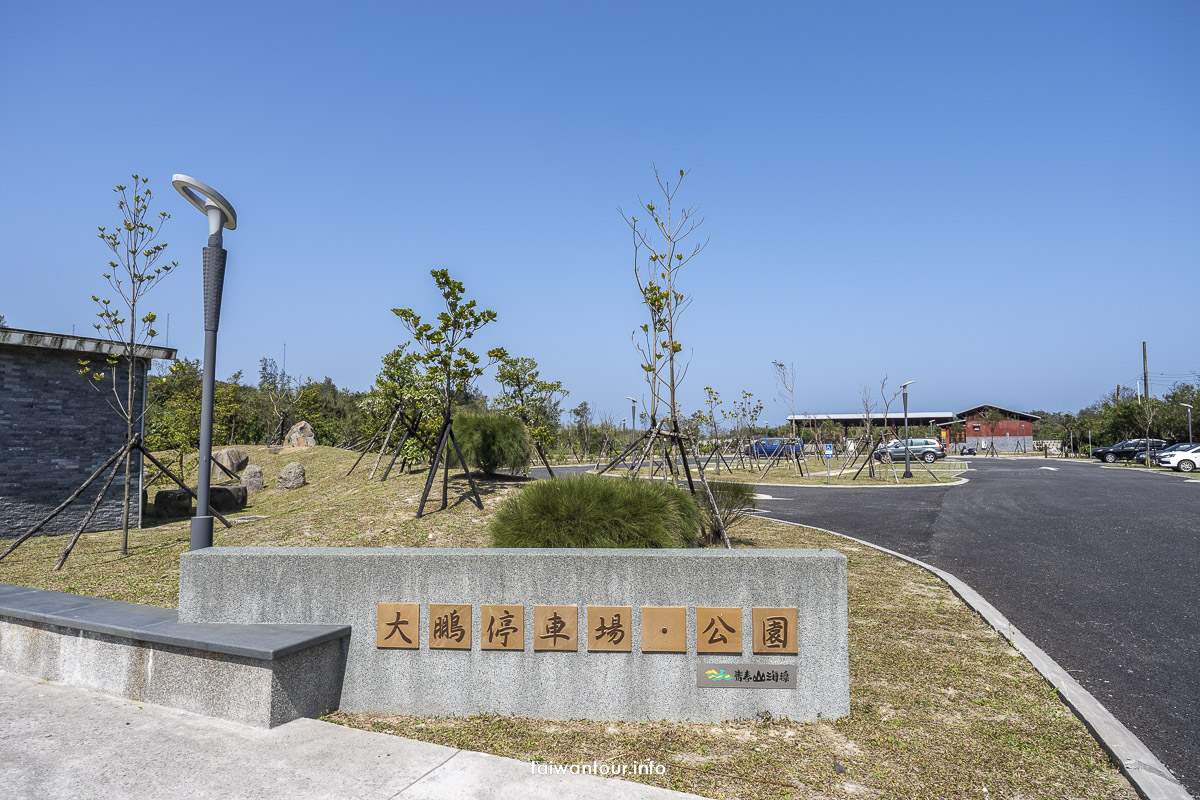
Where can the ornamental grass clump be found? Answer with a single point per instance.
(491, 442)
(734, 499)
(591, 511)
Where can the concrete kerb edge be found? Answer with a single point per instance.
(1149, 776)
(958, 482)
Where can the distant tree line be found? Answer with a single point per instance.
(1123, 414)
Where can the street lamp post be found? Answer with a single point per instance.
(1189, 408)
(220, 215)
(907, 452)
(632, 419)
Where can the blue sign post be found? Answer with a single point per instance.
(828, 458)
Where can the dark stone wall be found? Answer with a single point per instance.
(55, 431)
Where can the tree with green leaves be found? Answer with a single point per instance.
(660, 252)
(524, 395)
(136, 269)
(456, 367)
(991, 420)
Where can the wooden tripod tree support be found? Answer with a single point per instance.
(133, 444)
(372, 442)
(386, 439)
(411, 429)
(446, 434)
(675, 436)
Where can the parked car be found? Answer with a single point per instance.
(1183, 459)
(928, 450)
(772, 445)
(1123, 451)
(1140, 455)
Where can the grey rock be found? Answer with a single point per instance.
(227, 498)
(170, 503)
(233, 459)
(291, 476)
(252, 478)
(300, 435)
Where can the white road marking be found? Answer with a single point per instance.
(1052, 469)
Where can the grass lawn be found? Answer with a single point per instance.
(941, 706)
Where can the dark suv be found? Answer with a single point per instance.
(1126, 450)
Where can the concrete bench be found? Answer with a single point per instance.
(262, 675)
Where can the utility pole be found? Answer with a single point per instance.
(1145, 373)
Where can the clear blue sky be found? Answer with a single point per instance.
(988, 199)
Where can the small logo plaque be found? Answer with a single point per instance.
(729, 675)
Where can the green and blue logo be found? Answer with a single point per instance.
(718, 675)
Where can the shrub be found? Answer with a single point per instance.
(591, 511)
(733, 498)
(492, 441)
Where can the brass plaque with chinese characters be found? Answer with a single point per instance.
(664, 629)
(502, 627)
(718, 630)
(774, 630)
(398, 625)
(450, 626)
(554, 628)
(608, 629)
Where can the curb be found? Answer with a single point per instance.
(958, 482)
(1150, 777)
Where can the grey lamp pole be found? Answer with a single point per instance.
(907, 453)
(632, 419)
(1189, 408)
(220, 215)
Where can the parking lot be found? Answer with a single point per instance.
(1098, 566)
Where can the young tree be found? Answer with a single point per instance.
(785, 379)
(991, 419)
(535, 402)
(666, 253)
(868, 408)
(444, 353)
(583, 423)
(712, 399)
(134, 272)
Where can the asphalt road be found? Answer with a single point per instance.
(1099, 567)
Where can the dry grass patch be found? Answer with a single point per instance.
(941, 707)
(332, 510)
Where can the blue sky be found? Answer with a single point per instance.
(989, 199)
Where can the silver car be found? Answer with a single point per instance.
(928, 450)
(1183, 459)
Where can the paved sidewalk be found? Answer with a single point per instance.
(59, 742)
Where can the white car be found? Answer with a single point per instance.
(1184, 459)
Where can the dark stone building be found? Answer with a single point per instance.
(56, 429)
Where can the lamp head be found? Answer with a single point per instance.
(906, 385)
(205, 198)
(1186, 405)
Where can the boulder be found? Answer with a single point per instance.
(291, 476)
(300, 435)
(233, 459)
(252, 478)
(170, 503)
(227, 498)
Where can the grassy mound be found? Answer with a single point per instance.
(590, 511)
